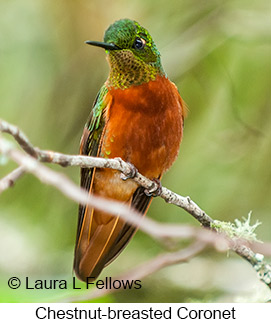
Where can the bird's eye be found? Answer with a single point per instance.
(139, 43)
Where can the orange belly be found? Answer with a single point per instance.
(144, 127)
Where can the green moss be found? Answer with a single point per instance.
(238, 229)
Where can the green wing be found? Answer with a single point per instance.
(89, 145)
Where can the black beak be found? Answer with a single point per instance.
(108, 46)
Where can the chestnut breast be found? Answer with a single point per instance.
(144, 126)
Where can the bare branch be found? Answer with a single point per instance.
(9, 180)
(118, 164)
(19, 136)
(262, 268)
(156, 230)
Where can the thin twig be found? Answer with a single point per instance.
(19, 136)
(9, 180)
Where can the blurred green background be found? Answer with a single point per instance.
(218, 53)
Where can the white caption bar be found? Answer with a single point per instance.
(137, 312)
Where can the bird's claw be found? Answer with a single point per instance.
(155, 190)
(131, 174)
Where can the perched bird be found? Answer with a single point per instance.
(137, 116)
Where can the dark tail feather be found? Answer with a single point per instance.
(140, 202)
(103, 244)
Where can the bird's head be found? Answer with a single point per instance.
(131, 52)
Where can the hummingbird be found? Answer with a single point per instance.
(138, 116)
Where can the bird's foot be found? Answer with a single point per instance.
(131, 172)
(155, 190)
